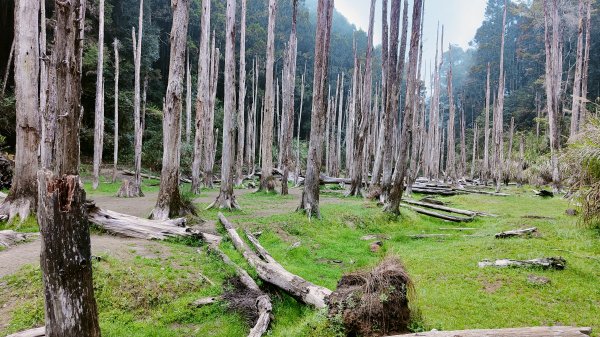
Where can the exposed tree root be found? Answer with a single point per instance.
(11, 208)
(225, 201)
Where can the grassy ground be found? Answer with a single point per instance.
(151, 296)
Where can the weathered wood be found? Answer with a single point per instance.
(517, 232)
(205, 301)
(134, 227)
(150, 176)
(99, 106)
(138, 127)
(555, 331)
(116, 45)
(438, 215)
(37, 332)
(457, 229)
(499, 112)
(546, 263)
(10, 238)
(272, 272)
(441, 208)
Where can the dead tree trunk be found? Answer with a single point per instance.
(169, 200)
(241, 108)
(298, 163)
(287, 117)
(99, 107)
(210, 141)
(499, 113)
(116, 117)
(475, 154)
(267, 182)
(46, 125)
(66, 254)
(250, 125)
(553, 45)
(451, 173)
(22, 198)
(310, 194)
(511, 134)
(577, 79)
(463, 146)
(364, 112)
(583, 115)
(226, 199)
(393, 204)
(332, 157)
(486, 130)
(338, 145)
(188, 99)
(203, 94)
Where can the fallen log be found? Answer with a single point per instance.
(545, 263)
(441, 208)
(543, 193)
(205, 301)
(457, 228)
(149, 176)
(516, 232)
(432, 191)
(442, 216)
(134, 227)
(10, 238)
(37, 332)
(272, 272)
(263, 301)
(542, 331)
(485, 192)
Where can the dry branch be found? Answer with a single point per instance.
(517, 232)
(37, 332)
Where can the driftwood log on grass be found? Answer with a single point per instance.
(37, 332)
(442, 216)
(272, 272)
(542, 331)
(517, 232)
(149, 176)
(10, 238)
(546, 263)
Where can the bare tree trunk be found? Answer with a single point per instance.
(22, 198)
(209, 142)
(521, 159)
(8, 66)
(298, 163)
(310, 194)
(66, 255)
(277, 123)
(553, 45)
(99, 107)
(498, 114)
(327, 128)
(289, 87)
(393, 204)
(475, 154)
(351, 124)
(510, 139)
(203, 94)
(267, 182)
(169, 200)
(116, 117)
(338, 146)
(188, 99)
(241, 109)
(332, 158)
(250, 132)
(463, 146)
(486, 130)
(365, 107)
(45, 123)
(226, 199)
(451, 173)
(583, 115)
(577, 79)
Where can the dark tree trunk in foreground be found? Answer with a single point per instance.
(267, 182)
(169, 200)
(226, 199)
(66, 254)
(310, 194)
(393, 204)
(22, 198)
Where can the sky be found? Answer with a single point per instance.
(460, 18)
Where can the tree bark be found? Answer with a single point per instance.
(486, 132)
(289, 87)
(463, 146)
(137, 119)
(267, 182)
(583, 115)
(451, 174)
(577, 79)
(499, 113)
(474, 152)
(22, 198)
(169, 200)
(116, 117)
(239, 161)
(364, 112)
(203, 94)
(310, 194)
(99, 107)
(393, 205)
(210, 135)
(226, 199)
(188, 99)
(251, 124)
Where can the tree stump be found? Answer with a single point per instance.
(129, 189)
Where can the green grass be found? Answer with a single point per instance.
(149, 297)
(30, 225)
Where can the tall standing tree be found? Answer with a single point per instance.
(298, 162)
(188, 99)
(578, 76)
(310, 195)
(451, 173)
(226, 199)
(499, 112)
(203, 94)
(363, 116)
(65, 258)
(400, 168)
(289, 87)
(116, 118)
(241, 108)
(554, 67)
(169, 200)
(22, 198)
(99, 107)
(486, 130)
(267, 182)
(583, 115)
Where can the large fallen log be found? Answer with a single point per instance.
(263, 302)
(442, 216)
(10, 238)
(485, 192)
(37, 332)
(434, 191)
(149, 176)
(542, 331)
(272, 272)
(516, 232)
(446, 208)
(134, 227)
(546, 263)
